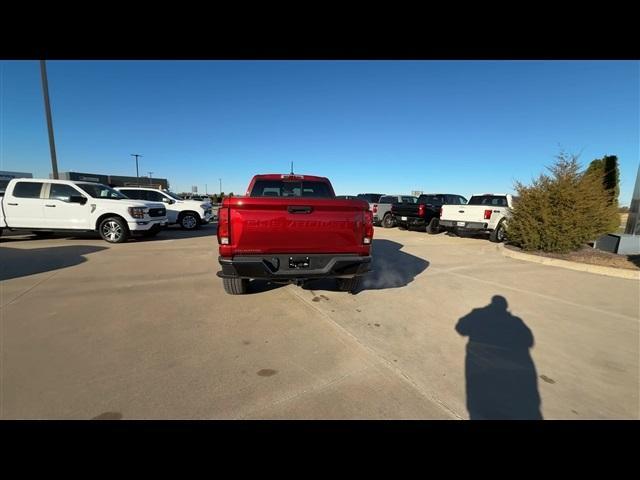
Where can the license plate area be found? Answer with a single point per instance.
(298, 262)
(460, 224)
(403, 218)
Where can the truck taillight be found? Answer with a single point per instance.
(223, 226)
(368, 227)
(487, 214)
(375, 208)
(421, 210)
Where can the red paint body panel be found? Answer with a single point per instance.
(264, 225)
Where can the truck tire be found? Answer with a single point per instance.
(348, 284)
(497, 235)
(189, 221)
(434, 226)
(113, 230)
(235, 286)
(388, 221)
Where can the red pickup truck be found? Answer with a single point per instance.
(292, 228)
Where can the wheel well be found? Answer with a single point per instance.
(107, 215)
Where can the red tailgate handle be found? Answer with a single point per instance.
(299, 209)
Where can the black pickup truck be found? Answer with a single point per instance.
(425, 213)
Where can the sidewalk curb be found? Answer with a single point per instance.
(582, 267)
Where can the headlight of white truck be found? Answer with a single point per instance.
(137, 212)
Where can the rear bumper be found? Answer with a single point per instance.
(410, 221)
(277, 267)
(465, 225)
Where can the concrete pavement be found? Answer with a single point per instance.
(145, 330)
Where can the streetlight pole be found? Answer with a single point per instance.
(47, 109)
(149, 177)
(137, 174)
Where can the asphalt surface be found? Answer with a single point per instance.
(444, 328)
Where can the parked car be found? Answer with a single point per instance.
(42, 206)
(189, 214)
(425, 213)
(382, 210)
(486, 212)
(290, 229)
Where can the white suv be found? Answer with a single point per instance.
(42, 206)
(189, 214)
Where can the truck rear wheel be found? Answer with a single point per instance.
(388, 221)
(235, 286)
(434, 226)
(348, 284)
(497, 235)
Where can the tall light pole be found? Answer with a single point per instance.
(47, 109)
(149, 177)
(137, 174)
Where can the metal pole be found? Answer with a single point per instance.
(47, 108)
(220, 180)
(149, 177)
(137, 174)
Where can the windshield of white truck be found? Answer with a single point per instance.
(97, 190)
(279, 188)
(175, 196)
(493, 200)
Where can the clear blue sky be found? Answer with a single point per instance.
(374, 126)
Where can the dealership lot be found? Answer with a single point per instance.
(144, 330)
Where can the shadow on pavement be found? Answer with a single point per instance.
(390, 268)
(635, 259)
(174, 232)
(501, 379)
(169, 233)
(19, 262)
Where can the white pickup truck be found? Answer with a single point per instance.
(189, 214)
(42, 206)
(487, 212)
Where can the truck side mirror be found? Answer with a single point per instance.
(78, 199)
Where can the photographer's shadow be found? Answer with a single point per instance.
(501, 378)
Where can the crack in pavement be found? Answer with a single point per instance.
(380, 359)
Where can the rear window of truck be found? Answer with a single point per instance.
(370, 197)
(493, 200)
(279, 188)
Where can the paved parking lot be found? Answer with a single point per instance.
(444, 328)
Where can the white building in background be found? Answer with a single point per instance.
(6, 176)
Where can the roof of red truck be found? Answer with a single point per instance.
(279, 176)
